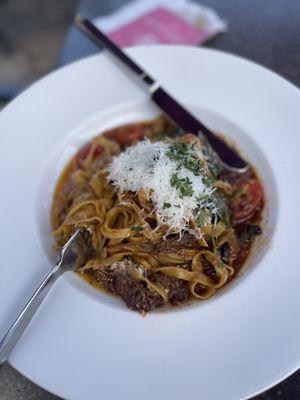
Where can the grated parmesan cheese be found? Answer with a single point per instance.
(147, 166)
(122, 266)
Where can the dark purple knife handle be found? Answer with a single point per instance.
(89, 29)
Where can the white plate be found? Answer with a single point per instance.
(85, 345)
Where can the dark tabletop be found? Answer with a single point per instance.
(265, 31)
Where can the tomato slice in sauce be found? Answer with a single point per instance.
(246, 200)
(126, 134)
(85, 151)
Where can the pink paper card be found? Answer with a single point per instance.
(158, 26)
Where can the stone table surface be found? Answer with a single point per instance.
(265, 31)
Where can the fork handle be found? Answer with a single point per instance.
(15, 331)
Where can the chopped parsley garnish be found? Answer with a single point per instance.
(184, 185)
(179, 152)
(201, 219)
(169, 205)
(207, 181)
(137, 228)
(203, 198)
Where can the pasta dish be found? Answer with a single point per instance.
(166, 222)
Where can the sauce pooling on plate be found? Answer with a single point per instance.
(166, 222)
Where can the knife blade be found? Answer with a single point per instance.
(170, 106)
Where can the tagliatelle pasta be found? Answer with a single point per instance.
(166, 222)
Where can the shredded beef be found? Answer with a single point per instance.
(177, 289)
(173, 244)
(136, 294)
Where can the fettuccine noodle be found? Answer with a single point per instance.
(127, 234)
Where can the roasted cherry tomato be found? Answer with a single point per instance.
(246, 200)
(126, 134)
(84, 152)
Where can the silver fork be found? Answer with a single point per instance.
(68, 261)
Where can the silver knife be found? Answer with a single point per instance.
(171, 107)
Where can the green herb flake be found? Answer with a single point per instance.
(166, 205)
(137, 228)
(201, 219)
(184, 185)
(207, 181)
(179, 153)
(203, 198)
